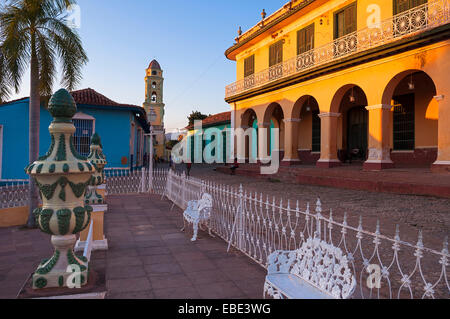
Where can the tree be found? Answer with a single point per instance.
(170, 144)
(196, 115)
(34, 33)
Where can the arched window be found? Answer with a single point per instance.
(154, 85)
(153, 97)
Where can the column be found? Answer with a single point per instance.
(442, 163)
(243, 145)
(263, 142)
(328, 140)
(379, 145)
(291, 142)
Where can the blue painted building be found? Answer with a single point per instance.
(120, 126)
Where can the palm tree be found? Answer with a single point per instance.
(34, 33)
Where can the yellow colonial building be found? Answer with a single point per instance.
(348, 81)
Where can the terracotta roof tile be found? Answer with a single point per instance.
(91, 97)
(213, 119)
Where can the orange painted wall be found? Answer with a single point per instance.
(15, 216)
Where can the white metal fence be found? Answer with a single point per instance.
(385, 267)
(13, 193)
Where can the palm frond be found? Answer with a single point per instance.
(46, 59)
(69, 48)
(5, 83)
(39, 26)
(16, 43)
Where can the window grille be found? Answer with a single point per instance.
(403, 118)
(82, 137)
(315, 131)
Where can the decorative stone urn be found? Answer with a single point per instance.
(98, 160)
(62, 176)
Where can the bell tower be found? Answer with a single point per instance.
(154, 105)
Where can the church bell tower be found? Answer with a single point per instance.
(154, 105)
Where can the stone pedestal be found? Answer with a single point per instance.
(67, 269)
(62, 176)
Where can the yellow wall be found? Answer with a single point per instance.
(378, 80)
(305, 131)
(16, 216)
(323, 33)
(374, 78)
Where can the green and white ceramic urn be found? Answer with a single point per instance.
(62, 176)
(98, 160)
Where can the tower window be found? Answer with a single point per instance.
(153, 97)
(153, 72)
(154, 85)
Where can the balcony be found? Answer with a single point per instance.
(419, 19)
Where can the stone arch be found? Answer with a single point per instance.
(352, 132)
(395, 81)
(248, 117)
(249, 120)
(411, 95)
(274, 116)
(345, 91)
(306, 135)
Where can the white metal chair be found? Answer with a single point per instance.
(198, 213)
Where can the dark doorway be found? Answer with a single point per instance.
(403, 118)
(357, 133)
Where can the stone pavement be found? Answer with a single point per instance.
(411, 212)
(148, 256)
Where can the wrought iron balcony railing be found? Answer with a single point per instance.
(424, 17)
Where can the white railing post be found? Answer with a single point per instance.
(89, 240)
(318, 216)
(183, 189)
(142, 180)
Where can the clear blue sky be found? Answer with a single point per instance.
(188, 38)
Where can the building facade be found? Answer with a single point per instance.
(154, 106)
(121, 127)
(348, 81)
(214, 130)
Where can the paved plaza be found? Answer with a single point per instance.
(412, 213)
(148, 256)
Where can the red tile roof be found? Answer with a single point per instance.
(214, 119)
(154, 65)
(91, 97)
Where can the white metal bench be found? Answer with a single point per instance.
(198, 213)
(317, 270)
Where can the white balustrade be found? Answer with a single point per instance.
(13, 193)
(385, 266)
